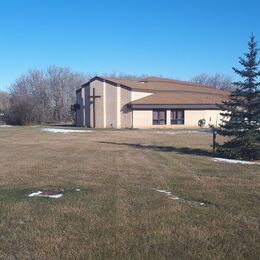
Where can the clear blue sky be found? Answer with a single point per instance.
(174, 38)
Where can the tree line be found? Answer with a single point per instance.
(217, 80)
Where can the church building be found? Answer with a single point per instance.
(149, 103)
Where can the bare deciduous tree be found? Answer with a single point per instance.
(4, 101)
(43, 96)
(126, 76)
(4, 105)
(217, 81)
(62, 84)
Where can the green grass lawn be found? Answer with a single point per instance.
(117, 214)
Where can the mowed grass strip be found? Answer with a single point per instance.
(117, 214)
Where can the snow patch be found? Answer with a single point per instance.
(7, 126)
(167, 133)
(199, 132)
(177, 197)
(40, 194)
(164, 191)
(64, 131)
(232, 161)
(183, 132)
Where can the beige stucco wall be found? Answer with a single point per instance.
(105, 107)
(144, 119)
(111, 108)
(211, 116)
(126, 113)
(111, 105)
(86, 106)
(192, 117)
(98, 85)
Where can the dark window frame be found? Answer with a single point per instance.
(177, 121)
(160, 121)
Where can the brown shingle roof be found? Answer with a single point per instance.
(177, 98)
(155, 84)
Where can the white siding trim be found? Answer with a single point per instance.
(104, 105)
(83, 106)
(168, 117)
(118, 106)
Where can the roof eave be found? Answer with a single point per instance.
(103, 79)
(169, 106)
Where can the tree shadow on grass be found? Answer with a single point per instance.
(160, 148)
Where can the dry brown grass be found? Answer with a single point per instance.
(117, 215)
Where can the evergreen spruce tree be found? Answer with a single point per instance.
(241, 123)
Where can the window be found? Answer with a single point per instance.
(159, 117)
(177, 117)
